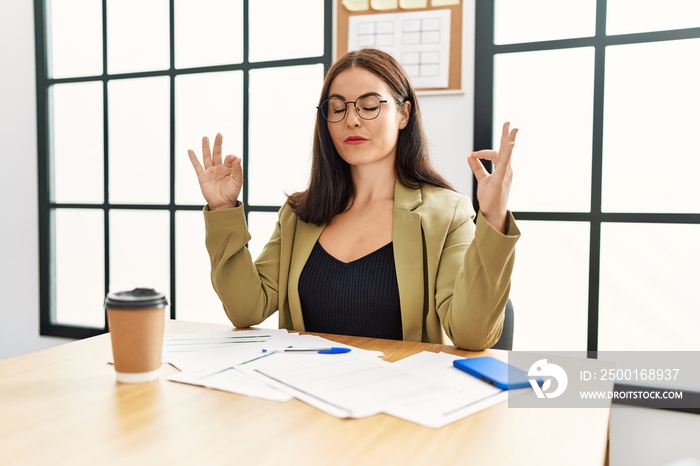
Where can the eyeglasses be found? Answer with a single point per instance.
(367, 107)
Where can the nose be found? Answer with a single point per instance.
(352, 117)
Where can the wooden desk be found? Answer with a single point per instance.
(63, 406)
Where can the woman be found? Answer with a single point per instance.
(379, 244)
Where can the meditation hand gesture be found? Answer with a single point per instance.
(220, 182)
(493, 189)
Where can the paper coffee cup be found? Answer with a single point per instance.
(136, 321)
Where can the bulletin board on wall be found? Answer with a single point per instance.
(425, 36)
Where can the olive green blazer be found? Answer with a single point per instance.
(452, 274)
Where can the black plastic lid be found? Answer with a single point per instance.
(138, 298)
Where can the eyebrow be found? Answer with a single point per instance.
(363, 95)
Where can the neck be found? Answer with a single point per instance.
(373, 183)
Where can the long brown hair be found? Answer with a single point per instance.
(330, 186)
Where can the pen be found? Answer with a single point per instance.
(325, 350)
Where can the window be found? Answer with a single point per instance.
(124, 88)
(605, 188)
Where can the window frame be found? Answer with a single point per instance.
(48, 327)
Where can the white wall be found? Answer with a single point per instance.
(448, 120)
(19, 256)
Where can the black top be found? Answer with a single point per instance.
(355, 298)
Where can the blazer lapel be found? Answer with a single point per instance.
(305, 238)
(408, 258)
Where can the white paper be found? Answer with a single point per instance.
(424, 388)
(439, 367)
(179, 342)
(384, 4)
(230, 380)
(343, 385)
(356, 5)
(409, 4)
(419, 40)
(208, 362)
(468, 395)
(203, 356)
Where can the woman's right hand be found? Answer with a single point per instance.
(219, 181)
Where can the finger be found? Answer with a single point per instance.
(507, 141)
(234, 163)
(505, 129)
(488, 154)
(498, 166)
(231, 160)
(503, 160)
(477, 167)
(506, 152)
(206, 152)
(218, 141)
(195, 163)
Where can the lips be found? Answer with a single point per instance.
(355, 140)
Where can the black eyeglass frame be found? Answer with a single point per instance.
(357, 109)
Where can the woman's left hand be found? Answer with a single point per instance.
(493, 188)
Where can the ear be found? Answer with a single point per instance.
(404, 112)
